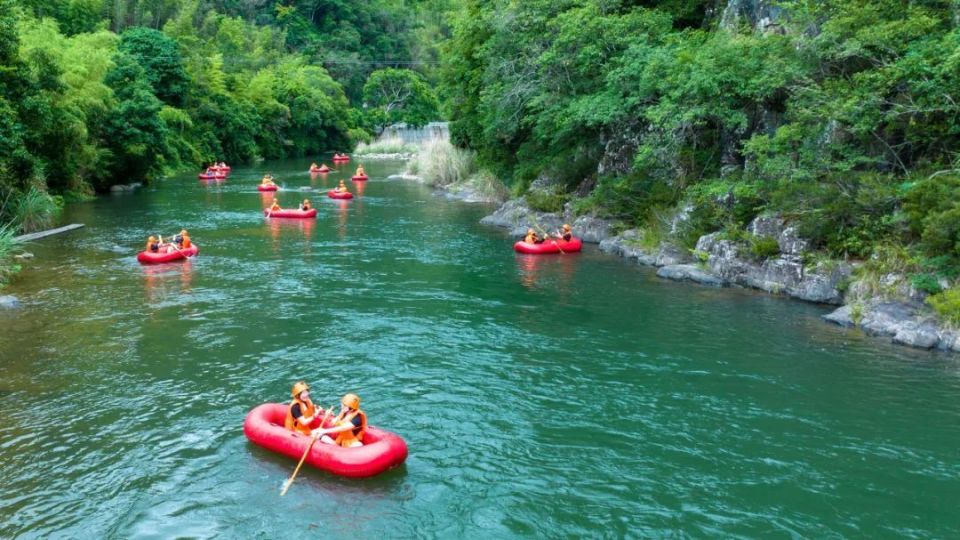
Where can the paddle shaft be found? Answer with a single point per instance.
(288, 483)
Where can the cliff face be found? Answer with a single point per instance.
(762, 15)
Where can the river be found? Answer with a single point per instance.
(570, 395)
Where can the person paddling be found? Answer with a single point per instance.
(305, 205)
(566, 234)
(152, 245)
(182, 240)
(349, 426)
(532, 238)
(302, 412)
(342, 188)
(275, 206)
(267, 180)
(360, 171)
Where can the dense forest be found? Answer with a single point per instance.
(100, 92)
(841, 116)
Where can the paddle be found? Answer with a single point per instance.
(289, 482)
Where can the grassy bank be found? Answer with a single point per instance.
(390, 145)
(442, 165)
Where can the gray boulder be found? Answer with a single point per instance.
(842, 315)
(690, 272)
(9, 302)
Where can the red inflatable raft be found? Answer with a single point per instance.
(268, 187)
(381, 449)
(334, 194)
(291, 213)
(323, 169)
(549, 246)
(343, 159)
(211, 176)
(359, 177)
(148, 257)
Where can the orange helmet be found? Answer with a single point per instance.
(351, 400)
(299, 387)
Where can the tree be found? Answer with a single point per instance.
(159, 55)
(399, 95)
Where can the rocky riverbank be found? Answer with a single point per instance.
(461, 192)
(785, 266)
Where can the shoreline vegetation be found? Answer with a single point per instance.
(96, 94)
(684, 124)
(790, 147)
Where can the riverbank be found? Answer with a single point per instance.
(770, 257)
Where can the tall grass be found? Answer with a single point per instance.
(441, 164)
(389, 145)
(7, 248)
(36, 210)
(488, 185)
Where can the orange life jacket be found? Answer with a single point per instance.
(186, 242)
(306, 409)
(347, 438)
(530, 239)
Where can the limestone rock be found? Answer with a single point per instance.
(842, 315)
(690, 272)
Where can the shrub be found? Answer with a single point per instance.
(7, 248)
(36, 210)
(926, 283)
(391, 145)
(488, 185)
(764, 247)
(947, 305)
(545, 201)
(440, 163)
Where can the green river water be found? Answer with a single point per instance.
(557, 396)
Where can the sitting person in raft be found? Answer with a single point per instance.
(532, 238)
(182, 240)
(153, 246)
(360, 171)
(348, 427)
(267, 180)
(566, 233)
(305, 205)
(342, 188)
(301, 413)
(314, 165)
(275, 206)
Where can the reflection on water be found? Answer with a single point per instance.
(343, 208)
(553, 271)
(360, 187)
(161, 281)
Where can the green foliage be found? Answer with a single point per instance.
(7, 249)
(926, 283)
(947, 305)
(440, 163)
(546, 201)
(764, 247)
(36, 210)
(159, 56)
(399, 95)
